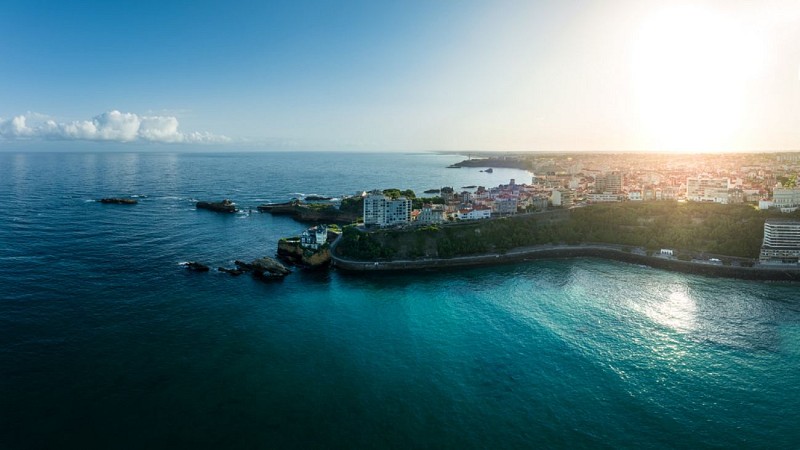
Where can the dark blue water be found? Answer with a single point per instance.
(106, 342)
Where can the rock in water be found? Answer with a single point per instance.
(264, 268)
(225, 206)
(196, 266)
(118, 201)
(270, 265)
(234, 272)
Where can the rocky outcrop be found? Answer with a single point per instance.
(310, 213)
(225, 206)
(233, 272)
(118, 201)
(264, 268)
(279, 208)
(292, 252)
(196, 266)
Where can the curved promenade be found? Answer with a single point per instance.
(607, 251)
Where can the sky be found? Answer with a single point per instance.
(570, 75)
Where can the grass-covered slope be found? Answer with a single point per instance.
(733, 230)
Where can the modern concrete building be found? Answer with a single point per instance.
(700, 189)
(781, 242)
(787, 199)
(382, 211)
(375, 208)
(561, 197)
(603, 198)
(610, 182)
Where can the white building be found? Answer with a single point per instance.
(787, 199)
(781, 241)
(561, 197)
(700, 189)
(602, 198)
(382, 211)
(477, 213)
(635, 196)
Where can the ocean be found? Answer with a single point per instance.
(107, 342)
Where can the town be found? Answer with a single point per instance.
(767, 181)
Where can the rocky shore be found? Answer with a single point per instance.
(618, 253)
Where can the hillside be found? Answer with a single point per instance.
(689, 228)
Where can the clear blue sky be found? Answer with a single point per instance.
(410, 75)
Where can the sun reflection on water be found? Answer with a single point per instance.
(677, 311)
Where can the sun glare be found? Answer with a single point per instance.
(690, 70)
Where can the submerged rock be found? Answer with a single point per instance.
(119, 201)
(196, 266)
(233, 272)
(225, 206)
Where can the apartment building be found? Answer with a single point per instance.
(781, 242)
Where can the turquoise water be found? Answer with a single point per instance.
(106, 342)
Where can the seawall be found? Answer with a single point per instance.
(777, 273)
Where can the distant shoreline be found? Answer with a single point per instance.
(764, 273)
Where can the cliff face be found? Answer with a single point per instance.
(290, 250)
(449, 240)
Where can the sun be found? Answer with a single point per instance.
(690, 68)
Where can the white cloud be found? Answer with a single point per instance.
(108, 126)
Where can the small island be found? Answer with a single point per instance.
(348, 211)
(225, 206)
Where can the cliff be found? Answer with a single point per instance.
(291, 251)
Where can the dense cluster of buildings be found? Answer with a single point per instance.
(766, 179)
(478, 203)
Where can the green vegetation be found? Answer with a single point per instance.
(788, 181)
(359, 245)
(354, 205)
(417, 203)
(397, 193)
(733, 230)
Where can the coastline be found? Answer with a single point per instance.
(604, 251)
